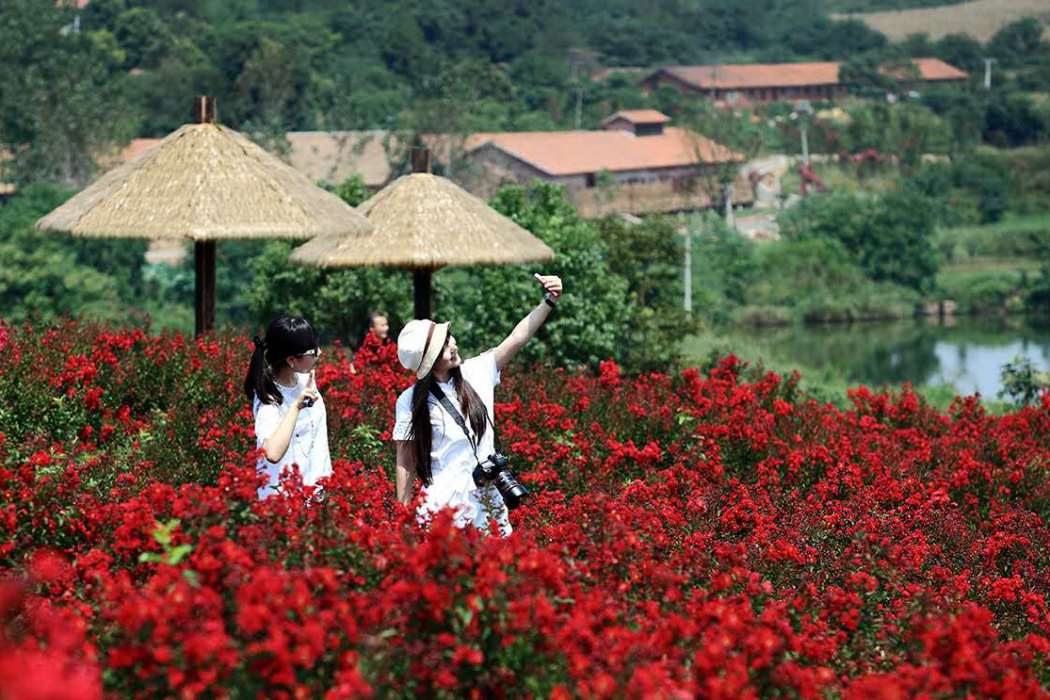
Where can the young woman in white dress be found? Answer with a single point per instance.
(431, 444)
(291, 424)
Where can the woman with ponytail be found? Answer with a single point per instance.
(444, 425)
(291, 424)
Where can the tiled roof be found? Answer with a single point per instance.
(639, 116)
(136, 148)
(768, 75)
(575, 152)
(732, 77)
(936, 69)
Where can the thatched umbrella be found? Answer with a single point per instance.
(423, 222)
(205, 183)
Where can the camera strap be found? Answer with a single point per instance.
(462, 423)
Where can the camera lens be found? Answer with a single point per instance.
(511, 489)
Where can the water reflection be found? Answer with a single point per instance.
(967, 353)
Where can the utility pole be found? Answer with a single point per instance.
(575, 64)
(579, 104)
(988, 73)
(687, 301)
(579, 61)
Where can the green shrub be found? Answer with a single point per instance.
(725, 267)
(949, 205)
(889, 236)
(336, 301)
(986, 293)
(1029, 175)
(649, 256)
(47, 275)
(1022, 382)
(1023, 237)
(592, 319)
(765, 315)
(1037, 297)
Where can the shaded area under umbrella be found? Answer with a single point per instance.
(205, 183)
(423, 222)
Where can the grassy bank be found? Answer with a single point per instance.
(993, 268)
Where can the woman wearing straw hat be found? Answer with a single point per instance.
(444, 425)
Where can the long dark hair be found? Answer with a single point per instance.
(470, 406)
(286, 336)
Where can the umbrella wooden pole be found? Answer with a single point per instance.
(421, 285)
(204, 287)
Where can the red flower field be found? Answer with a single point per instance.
(710, 534)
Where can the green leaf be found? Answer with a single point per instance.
(176, 554)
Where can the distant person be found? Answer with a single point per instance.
(291, 424)
(379, 326)
(444, 425)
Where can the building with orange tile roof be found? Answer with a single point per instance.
(783, 81)
(634, 164)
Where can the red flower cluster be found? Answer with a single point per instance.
(702, 535)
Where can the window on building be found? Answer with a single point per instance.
(648, 129)
(591, 179)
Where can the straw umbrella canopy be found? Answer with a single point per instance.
(205, 183)
(423, 222)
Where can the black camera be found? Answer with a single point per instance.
(494, 471)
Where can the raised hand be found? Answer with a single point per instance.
(550, 283)
(309, 395)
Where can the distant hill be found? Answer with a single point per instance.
(979, 18)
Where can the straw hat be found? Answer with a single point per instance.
(419, 345)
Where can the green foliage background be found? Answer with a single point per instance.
(83, 82)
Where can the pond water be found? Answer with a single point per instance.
(966, 353)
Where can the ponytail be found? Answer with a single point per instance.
(259, 382)
(286, 337)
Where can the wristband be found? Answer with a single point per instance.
(548, 299)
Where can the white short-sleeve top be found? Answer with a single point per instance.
(452, 458)
(308, 446)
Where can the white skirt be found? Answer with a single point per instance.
(454, 488)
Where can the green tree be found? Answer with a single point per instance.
(649, 256)
(144, 37)
(988, 180)
(962, 110)
(44, 276)
(352, 190)
(1013, 120)
(60, 105)
(593, 319)
(960, 50)
(1017, 41)
(890, 236)
(336, 301)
